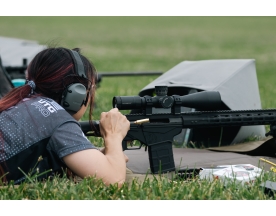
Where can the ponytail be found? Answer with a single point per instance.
(14, 97)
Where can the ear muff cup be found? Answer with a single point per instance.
(74, 97)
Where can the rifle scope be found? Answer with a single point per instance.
(205, 100)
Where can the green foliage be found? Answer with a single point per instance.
(149, 44)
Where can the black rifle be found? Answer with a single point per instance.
(159, 129)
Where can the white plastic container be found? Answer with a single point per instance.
(239, 173)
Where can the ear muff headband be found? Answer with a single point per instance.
(79, 67)
(75, 95)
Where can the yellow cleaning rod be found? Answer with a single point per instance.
(269, 162)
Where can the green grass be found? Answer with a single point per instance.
(156, 189)
(149, 44)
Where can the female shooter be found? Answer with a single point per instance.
(39, 129)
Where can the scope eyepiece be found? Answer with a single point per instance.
(127, 102)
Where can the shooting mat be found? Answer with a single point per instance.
(188, 158)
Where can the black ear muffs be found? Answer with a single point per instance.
(76, 94)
